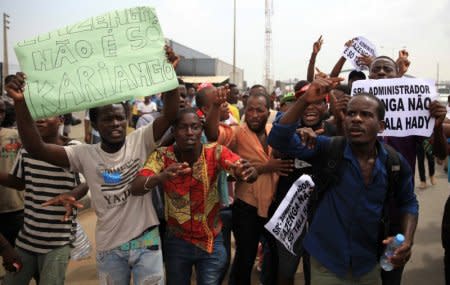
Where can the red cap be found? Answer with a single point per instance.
(204, 85)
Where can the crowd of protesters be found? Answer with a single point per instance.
(206, 162)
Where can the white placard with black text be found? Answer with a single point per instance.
(407, 102)
(290, 218)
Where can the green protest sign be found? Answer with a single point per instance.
(99, 61)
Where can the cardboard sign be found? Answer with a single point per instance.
(360, 46)
(99, 61)
(290, 218)
(407, 102)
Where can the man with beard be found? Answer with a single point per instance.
(342, 238)
(252, 201)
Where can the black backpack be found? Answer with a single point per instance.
(326, 173)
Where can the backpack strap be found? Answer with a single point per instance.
(328, 162)
(326, 170)
(393, 168)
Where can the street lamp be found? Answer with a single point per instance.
(5, 46)
(234, 44)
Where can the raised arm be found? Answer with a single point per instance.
(403, 62)
(312, 60)
(213, 116)
(340, 63)
(171, 102)
(438, 111)
(317, 91)
(161, 124)
(32, 141)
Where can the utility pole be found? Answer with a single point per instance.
(5, 47)
(234, 44)
(437, 73)
(268, 47)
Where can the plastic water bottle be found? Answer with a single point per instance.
(389, 251)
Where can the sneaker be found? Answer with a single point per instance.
(433, 180)
(422, 185)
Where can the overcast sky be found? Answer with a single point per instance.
(207, 25)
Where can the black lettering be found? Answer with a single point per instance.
(69, 90)
(64, 53)
(83, 49)
(42, 60)
(393, 124)
(116, 199)
(136, 38)
(155, 66)
(108, 199)
(121, 77)
(109, 46)
(89, 83)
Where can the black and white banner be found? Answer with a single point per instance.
(360, 47)
(290, 218)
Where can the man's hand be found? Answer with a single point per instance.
(16, 87)
(309, 136)
(403, 62)
(11, 260)
(317, 45)
(401, 254)
(174, 170)
(349, 42)
(279, 166)
(438, 111)
(243, 170)
(364, 60)
(319, 89)
(221, 95)
(68, 201)
(320, 74)
(340, 106)
(172, 57)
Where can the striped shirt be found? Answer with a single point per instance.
(43, 229)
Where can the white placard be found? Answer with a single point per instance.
(407, 102)
(360, 46)
(291, 216)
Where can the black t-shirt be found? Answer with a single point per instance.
(301, 167)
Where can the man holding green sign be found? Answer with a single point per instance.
(62, 80)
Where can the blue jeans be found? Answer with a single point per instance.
(50, 267)
(225, 216)
(116, 266)
(181, 255)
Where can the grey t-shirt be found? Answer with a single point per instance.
(120, 216)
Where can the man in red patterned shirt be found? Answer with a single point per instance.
(187, 171)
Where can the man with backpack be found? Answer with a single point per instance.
(342, 238)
